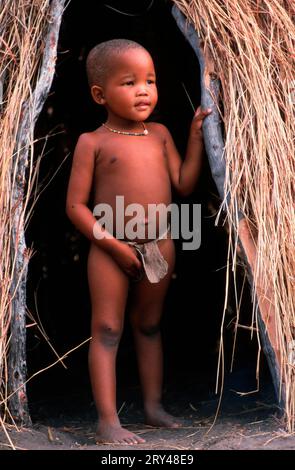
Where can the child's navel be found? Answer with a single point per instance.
(113, 159)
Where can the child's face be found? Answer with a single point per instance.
(130, 92)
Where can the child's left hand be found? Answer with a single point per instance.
(196, 126)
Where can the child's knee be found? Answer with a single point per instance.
(108, 334)
(147, 329)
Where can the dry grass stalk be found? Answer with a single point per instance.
(252, 43)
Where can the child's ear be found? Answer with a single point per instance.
(98, 94)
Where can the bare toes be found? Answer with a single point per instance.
(108, 434)
(175, 425)
(160, 418)
(128, 441)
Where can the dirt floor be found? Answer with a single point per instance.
(244, 422)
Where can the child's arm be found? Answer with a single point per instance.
(184, 173)
(81, 216)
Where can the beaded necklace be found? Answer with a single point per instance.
(145, 131)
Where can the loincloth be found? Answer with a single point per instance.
(153, 262)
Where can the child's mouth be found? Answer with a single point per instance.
(142, 106)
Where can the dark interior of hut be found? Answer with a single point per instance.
(58, 296)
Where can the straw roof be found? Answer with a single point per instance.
(252, 45)
(24, 84)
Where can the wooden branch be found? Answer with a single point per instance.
(214, 145)
(17, 368)
(265, 314)
(210, 87)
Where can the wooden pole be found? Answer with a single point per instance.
(214, 145)
(17, 367)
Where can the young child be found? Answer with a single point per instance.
(139, 161)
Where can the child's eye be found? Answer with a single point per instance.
(150, 82)
(129, 83)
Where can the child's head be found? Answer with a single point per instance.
(101, 59)
(122, 77)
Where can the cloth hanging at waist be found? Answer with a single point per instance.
(153, 262)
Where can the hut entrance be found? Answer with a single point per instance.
(57, 288)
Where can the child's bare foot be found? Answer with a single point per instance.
(157, 416)
(115, 434)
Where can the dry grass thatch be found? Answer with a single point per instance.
(252, 45)
(22, 26)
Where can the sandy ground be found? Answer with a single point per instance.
(249, 422)
(231, 433)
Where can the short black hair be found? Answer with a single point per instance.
(98, 62)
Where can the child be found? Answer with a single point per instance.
(139, 161)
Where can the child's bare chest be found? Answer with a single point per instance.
(136, 168)
(129, 155)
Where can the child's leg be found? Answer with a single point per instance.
(108, 290)
(146, 306)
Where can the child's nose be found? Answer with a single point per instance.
(142, 90)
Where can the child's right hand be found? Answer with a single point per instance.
(197, 122)
(126, 258)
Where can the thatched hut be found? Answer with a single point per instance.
(246, 74)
